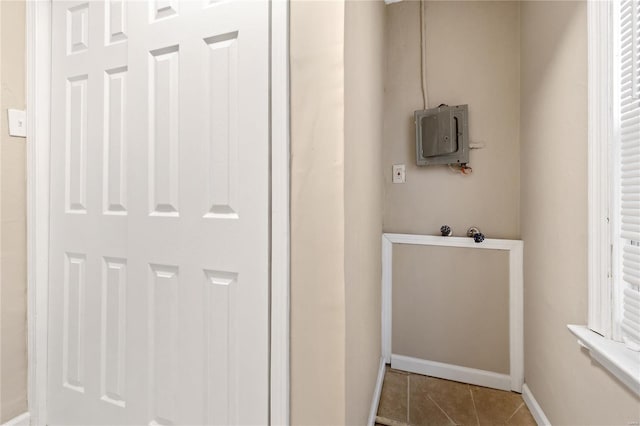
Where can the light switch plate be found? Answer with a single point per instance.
(399, 173)
(17, 123)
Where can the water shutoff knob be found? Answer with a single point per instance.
(475, 233)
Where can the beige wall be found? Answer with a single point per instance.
(317, 213)
(570, 387)
(364, 54)
(443, 312)
(335, 298)
(472, 58)
(522, 68)
(13, 368)
(336, 208)
(13, 318)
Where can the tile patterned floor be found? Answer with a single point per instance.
(412, 399)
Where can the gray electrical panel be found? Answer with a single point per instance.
(442, 135)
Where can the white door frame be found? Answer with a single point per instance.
(38, 45)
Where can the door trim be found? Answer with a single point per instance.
(38, 88)
(280, 230)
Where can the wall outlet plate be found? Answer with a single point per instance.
(17, 123)
(399, 173)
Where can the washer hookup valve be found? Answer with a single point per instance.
(446, 231)
(475, 233)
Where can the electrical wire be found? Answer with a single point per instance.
(423, 56)
(460, 168)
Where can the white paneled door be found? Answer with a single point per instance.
(159, 233)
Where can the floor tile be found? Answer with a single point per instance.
(439, 402)
(381, 421)
(423, 410)
(452, 397)
(393, 399)
(522, 417)
(495, 407)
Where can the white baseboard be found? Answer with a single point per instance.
(473, 376)
(534, 407)
(23, 419)
(376, 393)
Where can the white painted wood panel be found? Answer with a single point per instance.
(516, 308)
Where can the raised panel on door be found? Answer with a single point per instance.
(114, 189)
(164, 127)
(164, 327)
(159, 213)
(113, 344)
(220, 54)
(73, 326)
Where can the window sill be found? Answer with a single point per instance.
(621, 361)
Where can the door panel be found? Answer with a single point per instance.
(159, 213)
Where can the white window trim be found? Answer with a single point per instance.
(600, 130)
(621, 361)
(601, 332)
